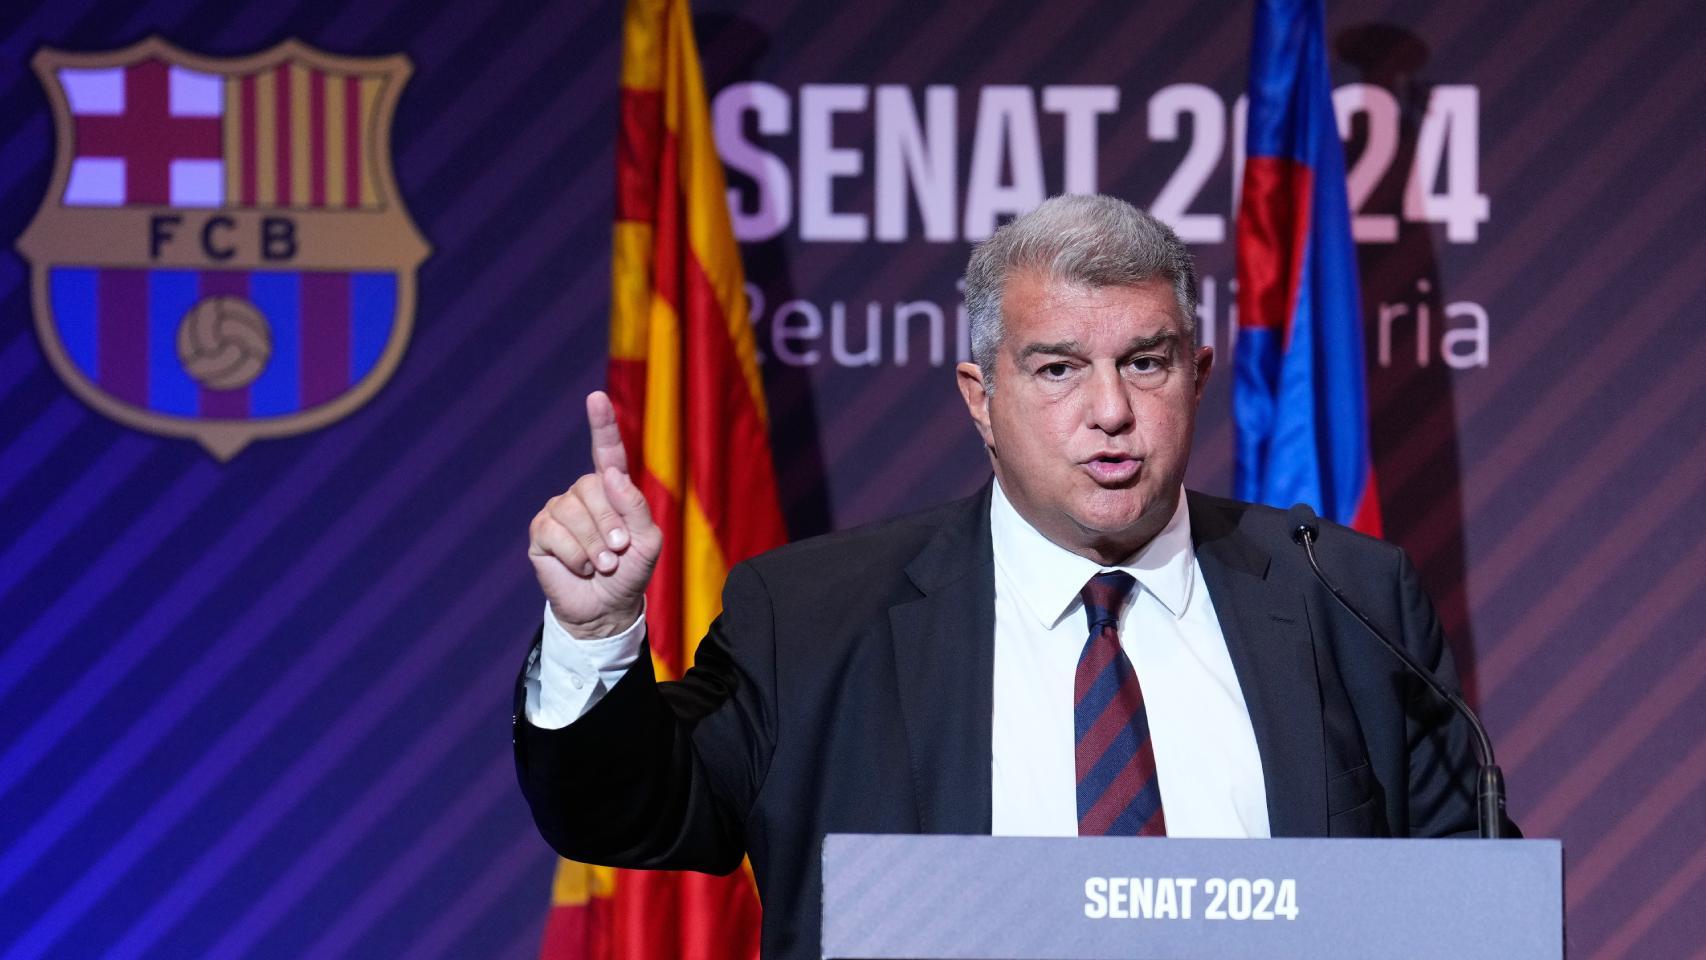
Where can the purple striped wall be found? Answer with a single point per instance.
(259, 709)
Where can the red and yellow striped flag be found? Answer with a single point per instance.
(690, 404)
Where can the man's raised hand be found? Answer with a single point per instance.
(594, 545)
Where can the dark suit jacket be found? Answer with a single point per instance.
(847, 687)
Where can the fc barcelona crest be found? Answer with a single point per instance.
(222, 253)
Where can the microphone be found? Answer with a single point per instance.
(1490, 786)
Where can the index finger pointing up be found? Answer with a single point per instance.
(606, 438)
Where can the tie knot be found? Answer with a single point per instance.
(1104, 595)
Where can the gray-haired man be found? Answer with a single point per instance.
(1080, 647)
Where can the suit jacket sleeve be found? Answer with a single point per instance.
(1443, 764)
(663, 775)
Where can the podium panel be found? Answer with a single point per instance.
(1104, 898)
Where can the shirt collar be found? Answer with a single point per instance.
(1048, 577)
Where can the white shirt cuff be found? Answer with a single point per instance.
(570, 675)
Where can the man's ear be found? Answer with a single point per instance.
(969, 378)
(1204, 363)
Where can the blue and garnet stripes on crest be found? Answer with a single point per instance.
(1118, 790)
(322, 333)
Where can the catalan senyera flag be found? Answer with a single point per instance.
(684, 380)
(1299, 398)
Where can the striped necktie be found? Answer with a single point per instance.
(1118, 790)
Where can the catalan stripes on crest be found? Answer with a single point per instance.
(294, 138)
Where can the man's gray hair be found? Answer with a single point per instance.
(1095, 240)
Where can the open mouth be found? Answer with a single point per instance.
(1113, 468)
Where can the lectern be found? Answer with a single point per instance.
(1102, 898)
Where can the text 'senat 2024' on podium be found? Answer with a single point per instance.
(1097, 898)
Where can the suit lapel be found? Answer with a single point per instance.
(944, 648)
(1267, 634)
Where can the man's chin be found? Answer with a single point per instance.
(1132, 520)
(1112, 509)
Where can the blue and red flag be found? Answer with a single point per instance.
(1299, 398)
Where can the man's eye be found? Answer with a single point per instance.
(1053, 371)
(1148, 364)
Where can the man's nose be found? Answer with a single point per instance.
(1107, 402)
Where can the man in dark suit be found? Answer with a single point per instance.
(931, 674)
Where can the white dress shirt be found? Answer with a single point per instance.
(568, 675)
(1205, 747)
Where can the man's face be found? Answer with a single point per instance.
(1089, 422)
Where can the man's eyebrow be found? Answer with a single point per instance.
(1072, 348)
(1139, 344)
(1062, 348)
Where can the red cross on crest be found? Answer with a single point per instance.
(147, 136)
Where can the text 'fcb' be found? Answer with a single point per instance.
(222, 236)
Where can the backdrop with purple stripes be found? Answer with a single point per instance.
(261, 708)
